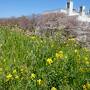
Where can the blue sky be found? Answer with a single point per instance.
(17, 8)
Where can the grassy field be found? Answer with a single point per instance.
(36, 63)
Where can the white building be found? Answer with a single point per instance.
(69, 8)
(70, 11)
(82, 15)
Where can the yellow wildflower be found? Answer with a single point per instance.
(4, 60)
(14, 71)
(66, 57)
(71, 39)
(33, 37)
(14, 60)
(76, 51)
(9, 76)
(84, 87)
(88, 86)
(16, 77)
(53, 88)
(39, 82)
(0, 45)
(86, 58)
(33, 76)
(59, 55)
(85, 49)
(49, 61)
(22, 70)
(87, 62)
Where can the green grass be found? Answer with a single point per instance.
(36, 63)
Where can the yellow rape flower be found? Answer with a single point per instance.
(86, 58)
(49, 61)
(33, 76)
(14, 60)
(66, 57)
(75, 50)
(53, 88)
(87, 62)
(16, 77)
(22, 70)
(14, 71)
(85, 49)
(33, 37)
(4, 60)
(52, 45)
(88, 86)
(84, 87)
(0, 45)
(71, 39)
(39, 82)
(9, 76)
(59, 55)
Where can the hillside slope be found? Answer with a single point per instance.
(36, 63)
